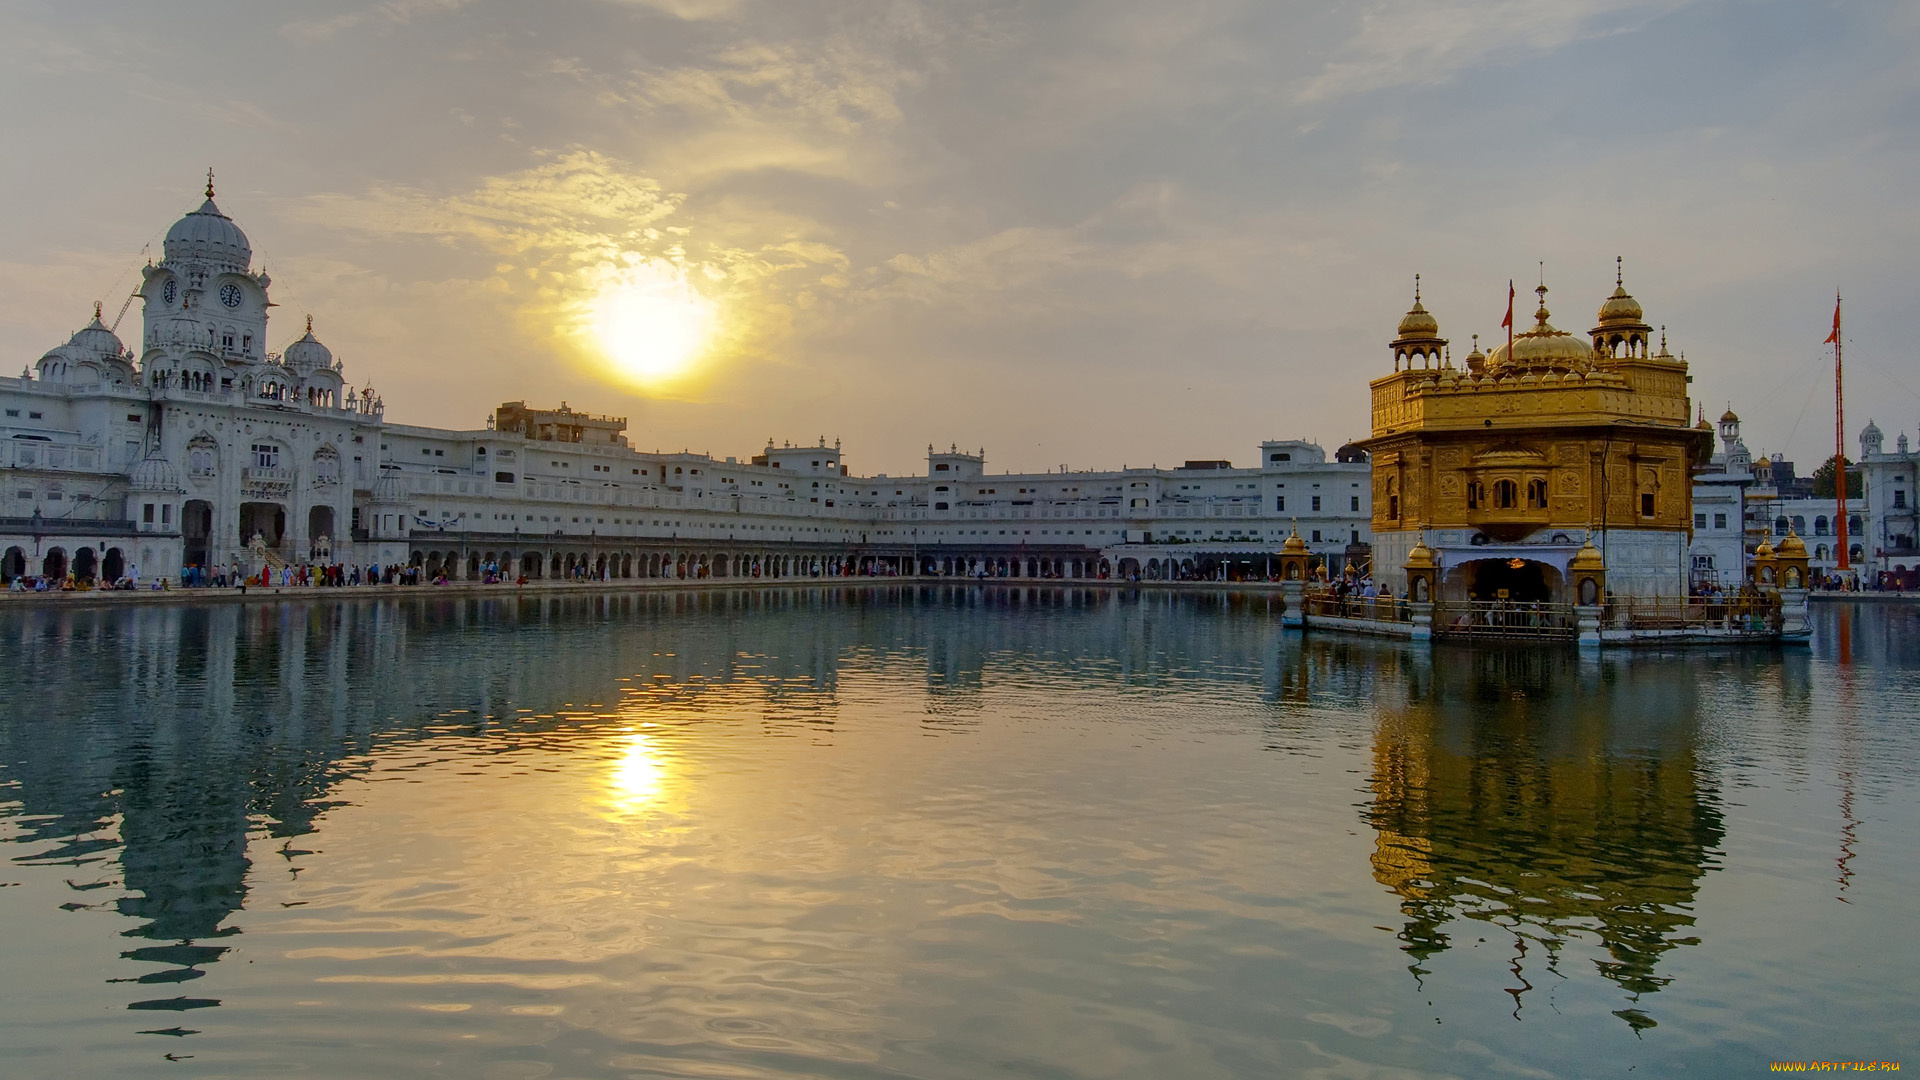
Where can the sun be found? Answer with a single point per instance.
(649, 324)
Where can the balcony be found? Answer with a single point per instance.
(1509, 524)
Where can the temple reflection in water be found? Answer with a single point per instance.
(1553, 796)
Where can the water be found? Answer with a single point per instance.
(940, 833)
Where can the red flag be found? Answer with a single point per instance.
(1508, 321)
(1835, 336)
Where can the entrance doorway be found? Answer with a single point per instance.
(1520, 581)
(269, 520)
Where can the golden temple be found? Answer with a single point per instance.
(1502, 468)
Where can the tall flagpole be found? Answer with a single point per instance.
(1840, 439)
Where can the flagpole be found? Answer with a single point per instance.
(1840, 441)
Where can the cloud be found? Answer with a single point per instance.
(385, 15)
(1426, 42)
(562, 230)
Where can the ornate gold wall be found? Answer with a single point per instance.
(1562, 435)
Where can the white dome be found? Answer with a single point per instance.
(209, 236)
(154, 473)
(390, 488)
(308, 354)
(96, 341)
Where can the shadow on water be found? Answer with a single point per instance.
(1549, 795)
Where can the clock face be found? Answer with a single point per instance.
(230, 294)
(168, 292)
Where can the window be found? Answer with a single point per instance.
(1475, 495)
(503, 478)
(166, 514)
(1279, 457)
(13, 412)
(132, 417)
(1699, 521)
(32, 415)
(146, 513)
(1899, 500)
(1316, 502)
(1537, 494)
(1279, 502)
(1506, 495)
(1646, 504)
(266, 456)
(942, 467)
(1719, 521)
(1356, 503)
(939, 506)
(1316, 536)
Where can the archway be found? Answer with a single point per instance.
(530, 565)
(320, 527)
(85, 565)
(268, 520)
(1520, 581)
(54, 565)
(12, 565)
(196, 530)
(113, 567)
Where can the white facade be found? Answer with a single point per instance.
(206, 449)
(1888, 490)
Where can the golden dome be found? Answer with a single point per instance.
(1421, 557)
(1792, 547)
(1729, 417)
(1765, 550)
(1418, 322)
(1588, 558)
(1621, 307)
(1294, 545)
(1543, 346)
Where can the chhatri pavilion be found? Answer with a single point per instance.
(1556, 469)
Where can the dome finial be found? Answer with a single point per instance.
(309, 325)
(1619, 273)
(209, 181)
(1416, 288)
(96, 311)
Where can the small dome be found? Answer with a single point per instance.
(1792, 546)
(1418, 322)
(1350, 455)
(1871, 432)
(1729, 417)
(1294, 545)
(154, 473)
(390, 488)
(1620, 308)
(207, 235)
(1588, 557)
(307, 354)
(1765, 550)
(96, 341)
(1421, 557)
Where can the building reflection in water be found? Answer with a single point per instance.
(152, 749)
(1554, 796)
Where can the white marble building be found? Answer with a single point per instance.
(204, 448)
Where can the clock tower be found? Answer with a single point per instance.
(206, 311)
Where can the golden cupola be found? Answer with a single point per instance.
(1419, 336)
(1542, 349)
(1622, 327)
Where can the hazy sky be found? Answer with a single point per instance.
(1083, 233)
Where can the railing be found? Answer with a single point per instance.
(1740, 612)
(34, 454)
(1503, 618)
(1326, 605)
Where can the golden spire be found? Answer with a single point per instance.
(209, 181)
(96, 311)
(309, 325)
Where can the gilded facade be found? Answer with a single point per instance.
(1508, 462)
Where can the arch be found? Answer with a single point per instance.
(473, 566)
(1506, 495)
(1780, 525)
(1820, 525)
(557, 568)
(1537, 493)
(530, 564)
(86, 564)
(113, 567)
(1485, 579)
(1800, 524)
(54, 566)
(13, 564)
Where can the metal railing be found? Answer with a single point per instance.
(1503, 618)
(1740, 612)
(1326, 605)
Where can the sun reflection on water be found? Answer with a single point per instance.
(638, 775)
